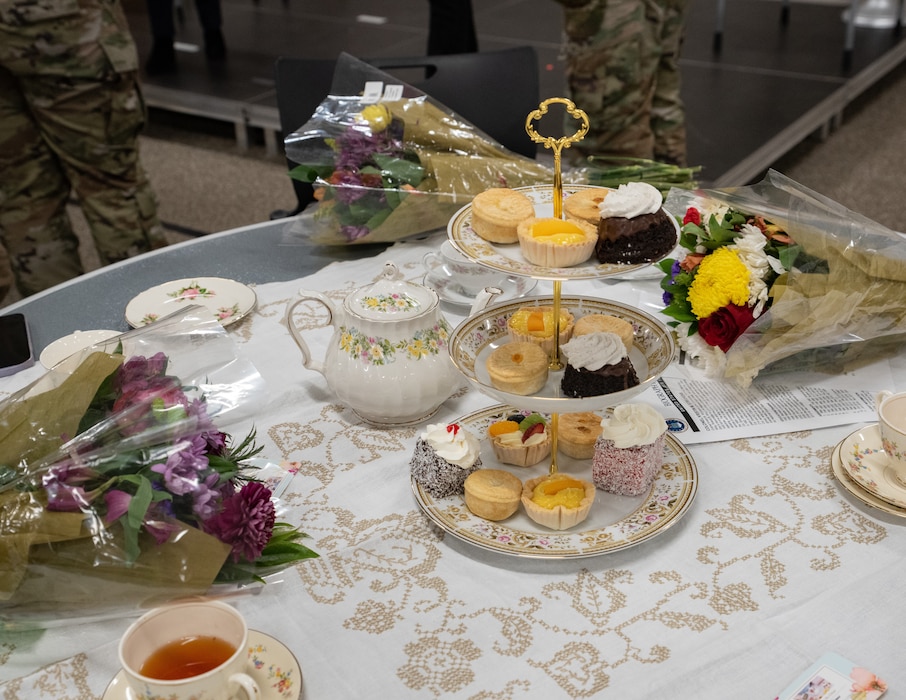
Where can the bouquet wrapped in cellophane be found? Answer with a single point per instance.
(775, 277)
(395, 165)
(119, 491)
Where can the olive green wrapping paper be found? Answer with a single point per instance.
(58, 565)
(830, 322)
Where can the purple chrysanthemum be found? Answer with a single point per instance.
(246, 521)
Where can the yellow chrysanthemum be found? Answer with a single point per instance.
(377, 116)
(722, 279)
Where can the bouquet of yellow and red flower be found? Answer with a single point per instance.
(117, 487)
(774, 270)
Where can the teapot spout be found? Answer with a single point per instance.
(483, 298)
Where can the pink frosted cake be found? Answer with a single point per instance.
(444, 456)
(630, 450)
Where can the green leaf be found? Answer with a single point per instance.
(311, 172)
(135, 515)
(400, 169)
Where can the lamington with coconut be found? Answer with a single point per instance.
(630, 450)
(445, 454)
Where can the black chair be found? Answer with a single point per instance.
(494, 90)
(302, 84)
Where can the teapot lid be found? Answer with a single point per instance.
(391, 298)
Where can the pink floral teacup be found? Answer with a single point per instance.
(189, 651)
(892, 424)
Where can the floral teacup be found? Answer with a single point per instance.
(470, 277)
(892, 424)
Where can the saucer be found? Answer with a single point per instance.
(451, 293)
(857, 491)
(227, 300)
(271, 664)
(70, 344)
(865, 461)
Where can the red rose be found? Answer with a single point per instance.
(693, 216)
(725, 325)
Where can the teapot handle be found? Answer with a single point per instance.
(306, 295)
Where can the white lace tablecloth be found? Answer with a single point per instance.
(773, 565)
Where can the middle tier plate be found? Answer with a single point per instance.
(478, 336)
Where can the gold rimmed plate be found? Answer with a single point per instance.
(227, 300)
(478, 336)
(508, 258)
(866, 463)
(857, 491)
(614, 523)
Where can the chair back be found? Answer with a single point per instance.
(494, 90)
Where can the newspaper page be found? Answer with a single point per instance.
(700, 409)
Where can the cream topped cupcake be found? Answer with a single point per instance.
(596, 363)
(551, 242)
(444, 456)
(630, 450)
(634, 228)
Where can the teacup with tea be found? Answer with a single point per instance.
(188, 651)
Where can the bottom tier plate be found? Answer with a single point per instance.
(615, 522)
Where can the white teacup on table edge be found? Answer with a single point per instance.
(170, 623)
(471, 277)
(891, 409)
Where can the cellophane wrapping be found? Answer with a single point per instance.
(116, 478)
(846, 310)
(389, 169)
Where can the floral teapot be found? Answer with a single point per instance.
(388, 359)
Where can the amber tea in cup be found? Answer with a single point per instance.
(186, 657)
(196, 650)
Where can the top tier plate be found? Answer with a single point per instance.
(508, 258)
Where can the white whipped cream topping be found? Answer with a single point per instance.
(633, 424)
(631, 199)
(453, 443)
(594, 350)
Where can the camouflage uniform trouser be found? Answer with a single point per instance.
(622, 70)
(69, 121)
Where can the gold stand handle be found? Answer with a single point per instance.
(557, 145)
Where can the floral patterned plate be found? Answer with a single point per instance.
(508, 258)
(857, 491)
(479, 335)
(271, 664)
(228, 301)
(615, 522)
(866, 463)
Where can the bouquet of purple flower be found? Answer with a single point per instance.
(129, 494)
(394, 167)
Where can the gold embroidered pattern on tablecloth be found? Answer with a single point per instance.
(398, 556)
